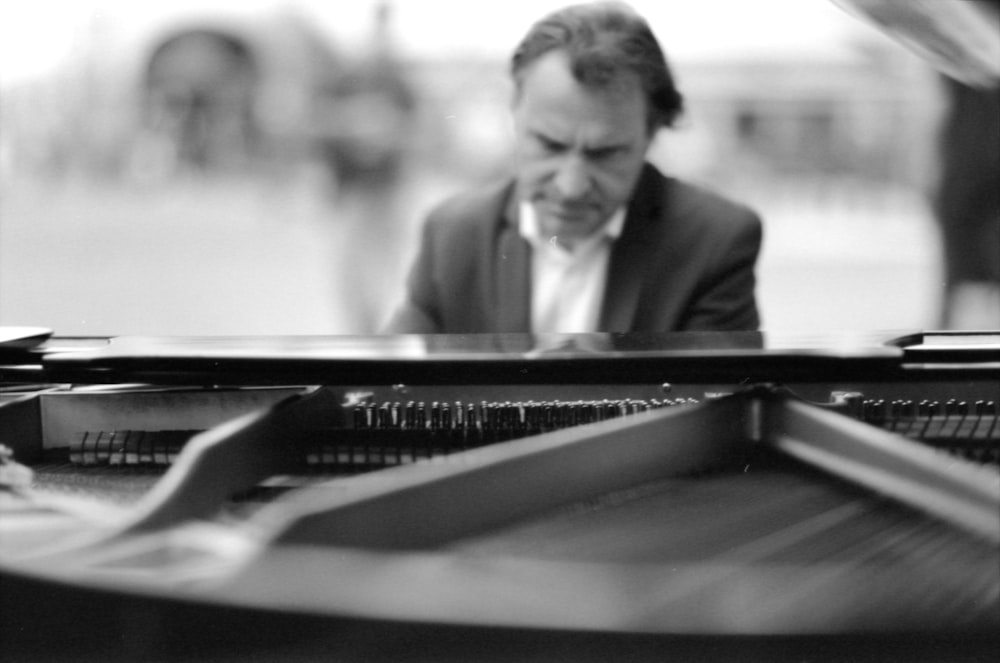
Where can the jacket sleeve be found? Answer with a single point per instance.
(420, 311)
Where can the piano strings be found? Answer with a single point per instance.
(396, 432)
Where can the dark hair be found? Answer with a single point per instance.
(602, 39)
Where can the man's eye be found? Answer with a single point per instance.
(550, 145)
(603, 153)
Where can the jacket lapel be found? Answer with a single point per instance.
(625, 272)
(512, 275)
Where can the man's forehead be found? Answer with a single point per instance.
(553, 127)
(553, 104)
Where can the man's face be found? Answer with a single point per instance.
(579, 149)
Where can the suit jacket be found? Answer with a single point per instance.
(684, 262)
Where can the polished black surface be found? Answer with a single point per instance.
(514, 358)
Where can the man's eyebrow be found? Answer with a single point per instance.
(610, 146)
(607, 148)
(545, 137)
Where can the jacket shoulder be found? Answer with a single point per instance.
(473, 209)
(687, 199)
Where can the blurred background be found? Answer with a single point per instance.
(254, 167)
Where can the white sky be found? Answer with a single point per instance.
(37, 34)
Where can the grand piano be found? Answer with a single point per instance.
(747, 496)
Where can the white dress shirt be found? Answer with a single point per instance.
(568, 284)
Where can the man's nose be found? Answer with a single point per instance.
(572, 179)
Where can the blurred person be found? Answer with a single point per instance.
(367, 117)
(200, 89)
(962, 41)
(967, 206)
(587, 235)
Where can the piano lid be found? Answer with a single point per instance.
(516, 358)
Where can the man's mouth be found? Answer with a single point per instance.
(574, 214)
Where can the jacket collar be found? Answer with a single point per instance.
(512, 275)
(627, 267)
(625, 271)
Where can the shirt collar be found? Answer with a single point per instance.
(530, 230)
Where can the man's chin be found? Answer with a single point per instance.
(569, 229)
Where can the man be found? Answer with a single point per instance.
(588, 236)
